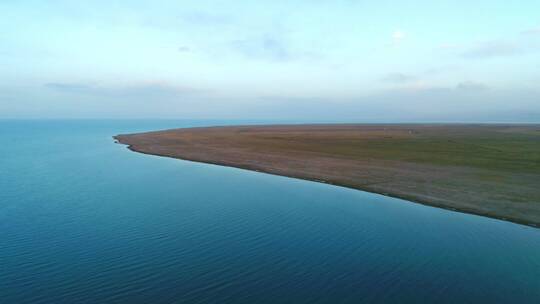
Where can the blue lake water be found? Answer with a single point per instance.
(84, 220)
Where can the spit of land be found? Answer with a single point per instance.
(485, 169)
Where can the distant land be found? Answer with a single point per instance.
(485, 169)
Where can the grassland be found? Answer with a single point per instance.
(491, 170)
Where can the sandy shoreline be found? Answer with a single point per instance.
(488, 170)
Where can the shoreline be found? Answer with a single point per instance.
(152, 143)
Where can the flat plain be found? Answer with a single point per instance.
(485, 169)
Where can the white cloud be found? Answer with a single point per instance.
(532, 31)
(184, 49)
(471, 86)
(397, 37)
(146, 89)
(398, 78)
(448, 46)
(267, 47)
(492, 49)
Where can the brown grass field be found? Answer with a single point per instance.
(490, 170)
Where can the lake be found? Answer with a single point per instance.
(85, 220)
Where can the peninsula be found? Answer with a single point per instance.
(491, 170)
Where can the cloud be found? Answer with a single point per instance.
(68, 87)
(427, 105)
(184, 49)
(397, 36)
(448, 46)
(532, 31)
(471, 86)
(158, 99)
(136, 99)
(205, 19)
(441, 69)
(398, 78)
(492, 49)
(267, 47)
(140, 90)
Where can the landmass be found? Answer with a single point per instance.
(484, 169)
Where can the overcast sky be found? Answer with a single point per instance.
(312, 60)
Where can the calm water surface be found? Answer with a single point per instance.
(84, 220)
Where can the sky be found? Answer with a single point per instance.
(371, 61)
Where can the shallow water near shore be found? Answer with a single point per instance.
(85, 220)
